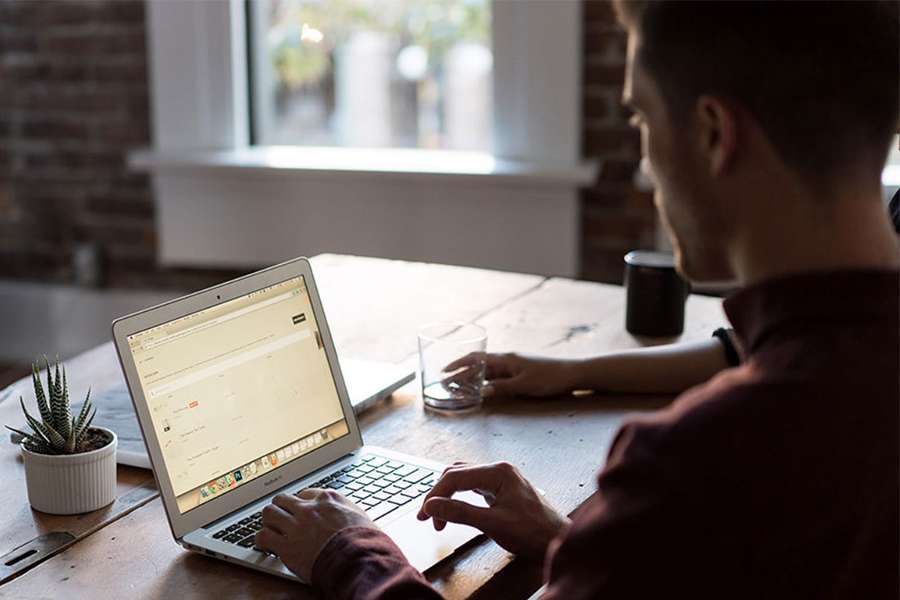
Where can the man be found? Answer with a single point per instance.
(765, 126)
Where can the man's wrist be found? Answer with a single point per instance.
(344, 548)
(576, 373)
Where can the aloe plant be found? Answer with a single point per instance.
(57, 432)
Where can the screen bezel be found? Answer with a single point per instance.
(243, 495)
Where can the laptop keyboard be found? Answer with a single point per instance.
(377, 485)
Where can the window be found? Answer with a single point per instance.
(479, 208)
(370, 73)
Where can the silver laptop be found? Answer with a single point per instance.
(239, 395)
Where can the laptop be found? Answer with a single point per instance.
(371, 381)
(239, 396)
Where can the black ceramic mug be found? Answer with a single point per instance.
(654, 294)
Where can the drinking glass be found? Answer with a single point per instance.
(440, 344)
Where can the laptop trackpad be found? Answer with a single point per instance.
(423, 546)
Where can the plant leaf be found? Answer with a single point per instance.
(23, 433)
(40, 447)
(80, 438)
(39, 396)
(79, 432)
(35, 434)
(58, 406)
(64, 421)
(82, 414)
(34, 443)
(49, 380)
(55, 400)
(51, 435)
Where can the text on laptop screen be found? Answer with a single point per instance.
(237, 390)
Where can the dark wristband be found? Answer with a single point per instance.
(731, 354)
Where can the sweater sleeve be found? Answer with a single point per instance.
(364, 563)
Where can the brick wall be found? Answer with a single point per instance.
(616, 217)
(74, 101)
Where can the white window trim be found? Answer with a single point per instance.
(890, 175)
(433, 166)
(198, 66)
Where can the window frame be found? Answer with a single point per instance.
(198, 58)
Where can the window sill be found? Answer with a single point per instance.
(890, 180)
(357, 163)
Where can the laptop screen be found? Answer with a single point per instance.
(237, 390)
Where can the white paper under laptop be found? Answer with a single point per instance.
(239, 395)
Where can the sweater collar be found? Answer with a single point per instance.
(809, 300)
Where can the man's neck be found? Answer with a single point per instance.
(821, 235)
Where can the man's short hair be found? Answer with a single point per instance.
(820, 78)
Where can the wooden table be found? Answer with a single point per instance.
(374, 308)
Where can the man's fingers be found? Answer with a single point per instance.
(483, 477)
(270, 540)
(456, 464)
(495, 365)
(456, 511)
(289, 504)
(471, 359)
(463, 375)
(307, 494)
(276, 518)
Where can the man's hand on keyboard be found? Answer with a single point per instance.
(518, 518)
(296, 528)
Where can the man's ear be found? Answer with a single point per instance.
(718, 131)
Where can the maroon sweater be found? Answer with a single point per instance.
(776, 479)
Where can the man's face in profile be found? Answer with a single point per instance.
(686, 206)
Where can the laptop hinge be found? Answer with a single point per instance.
(213, 524)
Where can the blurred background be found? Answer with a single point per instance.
(153, 148)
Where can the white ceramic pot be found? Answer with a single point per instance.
(70, 484)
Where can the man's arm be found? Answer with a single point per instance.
(668, 369)
(363, 563)
(670, 516)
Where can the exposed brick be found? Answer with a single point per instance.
(125, 133)
(604, 142)
(14, 40)
(100, 163)
(114, 229)
(604, 40)
(19, 11)
(603, 265)
(615, 224)
(122, 205)
(618, 170)
(120, 11)
(595, 107)
(599, 73)
(130, 41)
(598, 11)
(61, 12)
(604, 195)
(641, 198)
(616, 217)
(55, 127)
(122, 71)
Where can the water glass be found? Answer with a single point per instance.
(440, 345)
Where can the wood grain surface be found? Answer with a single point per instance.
(374, 308)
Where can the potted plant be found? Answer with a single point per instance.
(70, 467)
